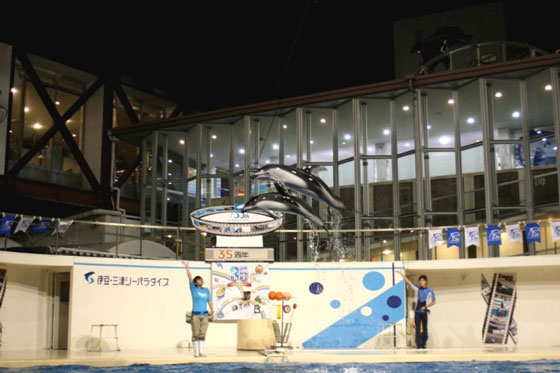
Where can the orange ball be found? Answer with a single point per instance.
(279, 295)
(272, 295)
(287, 296)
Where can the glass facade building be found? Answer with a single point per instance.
(463, 148)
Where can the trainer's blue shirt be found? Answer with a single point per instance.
(425, 296)
(200, 296)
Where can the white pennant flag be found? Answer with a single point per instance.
(555, 230)
(62, 226)
(435, 237)
(514, 233)
(23, 224)
(472, 236)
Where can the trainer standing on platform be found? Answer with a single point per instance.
(426, 299)
(200, 316)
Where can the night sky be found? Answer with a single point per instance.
(232, 53)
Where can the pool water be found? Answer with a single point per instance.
(471, 366)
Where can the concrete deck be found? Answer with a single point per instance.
(13, 359)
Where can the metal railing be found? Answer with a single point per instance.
(480, 54)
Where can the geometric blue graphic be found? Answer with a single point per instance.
(6, 225)
(533, 232)
(41, 226)
(453, 237)
(394, 301)
(373, 280)
(493, 235)
(335, 303)
(316, 288)
(89, 277)
(355, 329)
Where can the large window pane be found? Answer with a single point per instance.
(505, 107)
(439, 121)
(509, 175)
(470, 121)
(317, 135)
(215, 148)
(472, 162)
(379, 187)
(376, 118)
(404, 120)
(288, 128)
(443, 182)
(345, 131)
(540, 112)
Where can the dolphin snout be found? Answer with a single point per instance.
(258, 174)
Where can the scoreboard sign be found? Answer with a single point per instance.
(238, 254)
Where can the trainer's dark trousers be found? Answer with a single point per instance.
(421, 318)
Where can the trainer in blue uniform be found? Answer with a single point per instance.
(199, 323)
(425, 299)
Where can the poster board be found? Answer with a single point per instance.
(240, 290)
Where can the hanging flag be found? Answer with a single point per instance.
(453, 237)
(41, 226)
(472, 236)
(493, 235)
(23, 224)
(62, 226)
(533, 232)
(435, 237)
(6, 225)
(514, 233)
(555, 230)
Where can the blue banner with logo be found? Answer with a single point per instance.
(493, 235)
(41, 226)
(6, 225)
(453, 237)
(533, 232)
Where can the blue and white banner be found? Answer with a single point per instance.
(555, 230)
(6, 225)
(23, 224)
(62, 226)
(493, 235)
(472, 236)
(514, 233)
(453, 237)
(533, 232)
(435, 238)
(41, 226)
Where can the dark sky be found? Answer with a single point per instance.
(233, 53)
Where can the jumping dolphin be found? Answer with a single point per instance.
(301, 181)
(270, 202)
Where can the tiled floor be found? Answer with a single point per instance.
(183, 356)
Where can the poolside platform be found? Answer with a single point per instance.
(223, 355)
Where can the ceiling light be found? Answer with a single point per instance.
(241, 151)
(311, 142)
(384, 241)
(543, 139)
(515, 114)
(498, 94)
(13, 90)
(370, 148)
(170, 160)
(169, 199)
(284, 126)
(387, 252)
(37, 126)
(429, 126)
(214, 137)
(406, 108)
(288, 156)
(347, 137)
(169, 174)
(451, 101)
(26, 109)
(386, 132)
(547, 87)
(444, 140)
(275, 146)
(236, 165)
(182, 142)
(555, 148)
(323, 120)
(267, 161)
(406, 144)
(470, 120)
(73, 135)
(211, 155)
(57, 102)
